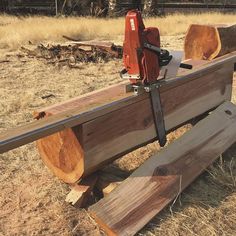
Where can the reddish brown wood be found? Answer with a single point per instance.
(110, 136)
(165, 175)
(209, 41)
(106, 124)
(63, 155)
(81, 192)
(86, 101)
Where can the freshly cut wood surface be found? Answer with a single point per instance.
(133, 126)
(162, 177)
(62, 154)
(81, 192)
(85, 101)
(209, 41)
(124, 129)
(124, 121)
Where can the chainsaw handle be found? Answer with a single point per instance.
(186, 66)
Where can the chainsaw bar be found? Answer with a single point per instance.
(158, 115)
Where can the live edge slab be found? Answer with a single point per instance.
(165, 175)
(79, 136)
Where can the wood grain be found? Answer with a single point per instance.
(19, 136)
(162, 177)
(209, 41)
(95, 135)
(133, 126)
(110, 136)
(81, 192)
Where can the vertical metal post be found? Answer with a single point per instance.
(56, 6)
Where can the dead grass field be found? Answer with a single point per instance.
(32, 199)
(17, 31)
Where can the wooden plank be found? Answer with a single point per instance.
(100, 96)
(85, 101)
(22, 135)
(81, 192)
(162, 177)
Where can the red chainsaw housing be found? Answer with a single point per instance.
(137, 59)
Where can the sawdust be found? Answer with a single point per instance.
(32, 199)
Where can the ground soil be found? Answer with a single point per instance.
(32, 199)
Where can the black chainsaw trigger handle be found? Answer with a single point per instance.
(186, 66)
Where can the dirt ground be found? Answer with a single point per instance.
(32, 199)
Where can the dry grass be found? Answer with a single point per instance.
(19, 31)
(32, 199)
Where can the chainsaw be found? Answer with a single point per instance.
(143, 59)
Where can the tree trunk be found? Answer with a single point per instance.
(207, 42)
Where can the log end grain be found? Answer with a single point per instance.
(63, 155)
(202, 42)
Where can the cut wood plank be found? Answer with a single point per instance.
(101, 96)
(162, 177)
(81, 192)
(209, 41)
(95, 138)
(133, 126)
(110, 136)
(85, 101)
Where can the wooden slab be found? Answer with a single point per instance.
(162, 177)
(207, 42)
(22, 135)
(133, 126)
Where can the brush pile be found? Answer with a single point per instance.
(72, 54)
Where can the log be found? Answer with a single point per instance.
(100, 127)
(108, 137)
(165, 175)
(207, 42)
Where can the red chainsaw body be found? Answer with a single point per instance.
(139, 61)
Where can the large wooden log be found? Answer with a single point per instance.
(95, 134)
(109, 136)
(207, 42)
(162, 177)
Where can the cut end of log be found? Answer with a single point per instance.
(63, 155)
(202, 42)
(206, 42)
